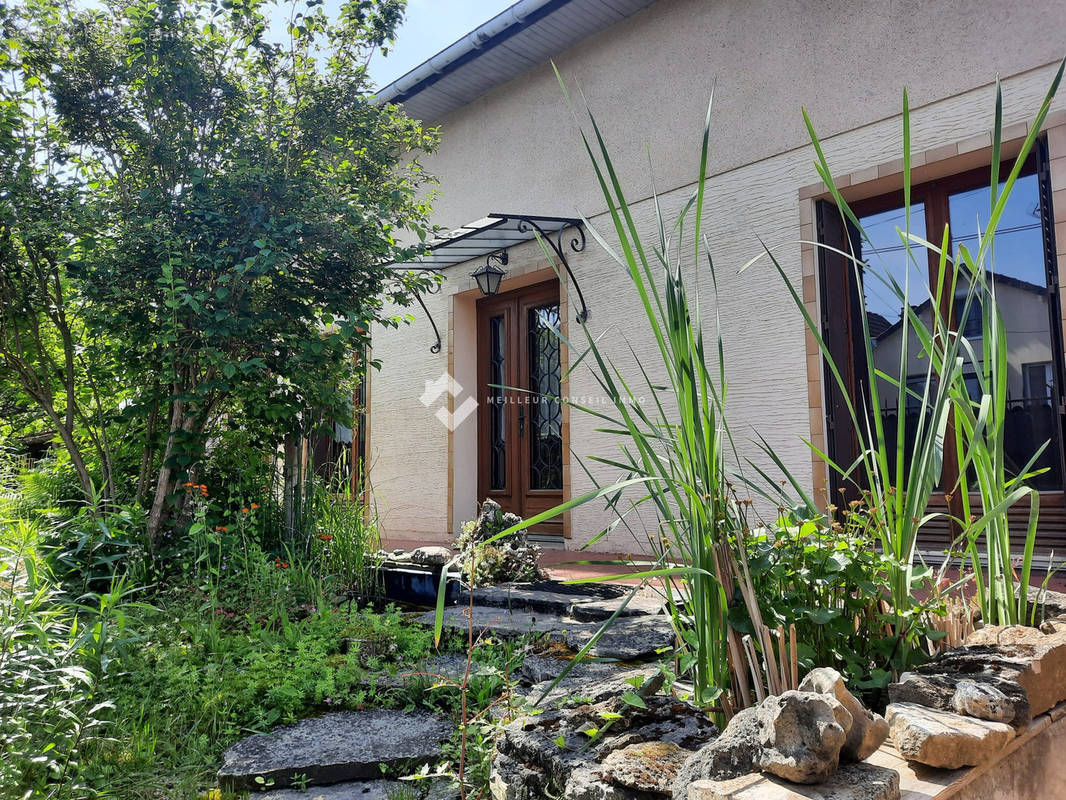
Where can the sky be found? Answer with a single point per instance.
(429, 27)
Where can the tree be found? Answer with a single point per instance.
(245, 200)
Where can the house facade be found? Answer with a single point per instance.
(440, 436)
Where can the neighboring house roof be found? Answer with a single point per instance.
(525, 35)
(878, 323)
(1005, 280)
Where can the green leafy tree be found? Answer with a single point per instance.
(246, 198)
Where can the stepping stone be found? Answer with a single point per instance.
(943, 739)
(366, 790)
(502, 622)
(342, 746)
(628, 639)
(593, 685)
(358, 790)
(644, 604)
(521, 597)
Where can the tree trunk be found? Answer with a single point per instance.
(164, 480)
(290, 482)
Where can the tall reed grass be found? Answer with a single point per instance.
(899, 478)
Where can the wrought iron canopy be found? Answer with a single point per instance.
(495, 234)
(489, 235)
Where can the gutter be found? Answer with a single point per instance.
(496, 31)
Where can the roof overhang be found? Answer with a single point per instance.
(527, 34)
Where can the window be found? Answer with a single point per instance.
(1038, 382)
(1021, 273)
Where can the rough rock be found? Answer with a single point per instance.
(943, 739)
(802, 735)
(851, 782)
(645, 766)
(538, 668)
(1053, 625)
(1036, 661)
(629, 639)
(1048, 603)
(1001, 635)
(552, 754)
(431, 556)
(983, 701)
(796, 735)
(938, 691)
(343, 746)
(868, 730)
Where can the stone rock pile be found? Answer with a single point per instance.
(801, 736)
(967, 704)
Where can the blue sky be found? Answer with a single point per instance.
(429, 27)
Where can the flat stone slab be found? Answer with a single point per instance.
(356, 790)
(860, 781)
(520, 597)
(644, 604)
(944, 739)
(502, 622)
(366, 790)
(337, 747)
(590, 686)
(628, 639)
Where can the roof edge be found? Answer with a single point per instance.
(497, 30)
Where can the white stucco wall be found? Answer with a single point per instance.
(517, 150)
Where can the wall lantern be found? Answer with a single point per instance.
(488, 276)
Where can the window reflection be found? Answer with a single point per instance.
(890, 263)
(1019, 279)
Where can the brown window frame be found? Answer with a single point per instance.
(840, 298)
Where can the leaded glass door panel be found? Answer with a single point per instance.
(520, 419)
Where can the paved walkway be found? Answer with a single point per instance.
(562, 564)
(565, 564)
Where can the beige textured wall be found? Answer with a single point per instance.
(516, 149)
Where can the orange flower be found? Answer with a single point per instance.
(221, 528)
(244, 510)
(255, 506)
(325, 537)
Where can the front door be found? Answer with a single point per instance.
(520, 420)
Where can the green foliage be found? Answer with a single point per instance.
(58, 659)
(227, 259)
(828, 579)
(218, 679)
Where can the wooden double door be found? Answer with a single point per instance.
(520, 417)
